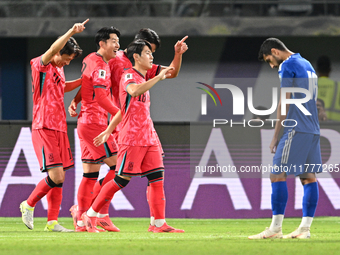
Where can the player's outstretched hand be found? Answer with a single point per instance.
(79, 27)
(181, 46)
(164, 73)
(72, 109)
(101, 138)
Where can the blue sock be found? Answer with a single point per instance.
(310, 199)
(279, 197)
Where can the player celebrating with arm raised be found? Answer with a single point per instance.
(299, 146)
(139, 151)
(117, 66)
(49, 130)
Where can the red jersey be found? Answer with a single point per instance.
(48, 83)
(95, 74)
(137, 127)
(118, 65)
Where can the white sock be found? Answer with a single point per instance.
(152, 221)
(102, 215)
(80, 223)
(51, 222)
(159, 223)
(91, 213)
(276, 222)
(306, 222)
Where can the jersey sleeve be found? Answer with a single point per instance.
(127, 79)
(37, 64)
(101, 79)
(154, 71)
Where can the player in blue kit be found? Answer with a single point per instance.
(300, 143)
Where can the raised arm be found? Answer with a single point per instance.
(180, 47)
(136, 90)
(61, 41)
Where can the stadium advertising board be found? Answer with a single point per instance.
(228, 189)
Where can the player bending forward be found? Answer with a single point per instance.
(298, 146)
(139, 153)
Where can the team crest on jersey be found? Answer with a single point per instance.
(128, 76)
(102, 74)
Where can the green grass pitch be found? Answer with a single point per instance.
(202, 236)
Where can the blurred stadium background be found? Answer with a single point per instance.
(224, 39)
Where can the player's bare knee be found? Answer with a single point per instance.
(58, 179)
(307, 178)
(305, 181)
(278, 177)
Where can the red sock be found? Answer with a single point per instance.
(96, 189)
(99, 184)
(148, 192)
(105, 208)
(157, 199)
(54, 197)
(106, 194)
(39, 192)
(85, 190)
(109, 176)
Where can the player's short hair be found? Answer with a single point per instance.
(323, 64)
(136, 46)
(268, 45)
(103, 34)
(149, 35)
(71, 47)
(322, 102)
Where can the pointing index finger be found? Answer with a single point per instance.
(85, 22)
(184, 38)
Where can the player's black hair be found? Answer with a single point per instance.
(322, 102)
(103, 34)
(268, 45)
(149, 35)
(136, 46)
(323, 64)
(71, 47)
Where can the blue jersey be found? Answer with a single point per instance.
(297, 72)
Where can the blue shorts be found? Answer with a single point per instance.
(298, 153)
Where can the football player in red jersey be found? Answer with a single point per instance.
(139, 152)
(49, 129)
(92, 120)
(117, 66)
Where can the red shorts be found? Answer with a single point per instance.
(52, 149)
(89, 152)
(139, 160)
